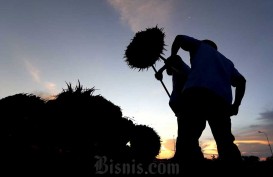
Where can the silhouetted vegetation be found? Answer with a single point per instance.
(250, 158)
(63, 135)
(269, 158)
(145, 143)
(22, 143)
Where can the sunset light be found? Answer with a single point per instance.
(80, 79)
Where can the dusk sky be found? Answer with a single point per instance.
(46, 43)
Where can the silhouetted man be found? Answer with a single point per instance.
(179, 71)
(207, 96)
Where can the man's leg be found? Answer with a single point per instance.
(220, 124)
(191, 124)
(187, 145)
(221, 130)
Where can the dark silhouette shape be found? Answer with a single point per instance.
(270, 159)
(211, 43)
(145, 48)
(145, 144)
(21, 132)
(84, 125)
(62, 136)
(179, 71)
(250, 159)
(207, 96)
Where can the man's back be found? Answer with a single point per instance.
(211, 70)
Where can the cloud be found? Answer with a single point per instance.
(250, 142)
(142, 14)
(267, 116)
(267, 124)
(257, 148)
(36, 76)
(34, 72)
(51, 87)
(264, 123)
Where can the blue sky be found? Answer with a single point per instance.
(46, 43)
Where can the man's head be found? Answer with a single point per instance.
(211, 43)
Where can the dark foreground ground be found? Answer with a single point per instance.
(208, 168)
(154, 169)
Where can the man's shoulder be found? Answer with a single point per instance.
(224, 58)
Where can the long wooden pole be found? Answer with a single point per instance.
(162, 83)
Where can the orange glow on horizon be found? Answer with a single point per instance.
(251, 142)
(209, 148)
(165, 153)
(167, 149)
